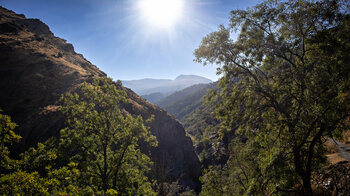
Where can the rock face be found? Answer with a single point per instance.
(175, 153)
(36, 68)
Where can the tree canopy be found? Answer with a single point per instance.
(284, 86)
(97, 153)
(104, 140)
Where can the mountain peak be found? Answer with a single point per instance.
(192, 77)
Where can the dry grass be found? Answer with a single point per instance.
(331, 147)
(335, 158)
(48, 109)
(136, 105)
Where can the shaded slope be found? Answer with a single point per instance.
(36, 68)
(182, 103)
(153, 97)
(173, 98)
(200, 123)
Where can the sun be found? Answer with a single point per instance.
(161, 13)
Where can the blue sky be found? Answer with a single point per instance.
(112, 35)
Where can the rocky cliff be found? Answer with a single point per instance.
(36, 68)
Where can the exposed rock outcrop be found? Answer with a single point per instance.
(36, 68)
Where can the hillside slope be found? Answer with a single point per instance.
(200, 122)
(182, 103)
(153, 97)
(148, 88)
(36, 68)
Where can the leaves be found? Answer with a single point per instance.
(283, 83)
(7, 137)
(104, 141)
(97, 153)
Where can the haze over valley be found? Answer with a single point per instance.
(155, 89)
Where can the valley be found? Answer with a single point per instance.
(156, 89)
(276, 122)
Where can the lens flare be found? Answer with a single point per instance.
(161, 13)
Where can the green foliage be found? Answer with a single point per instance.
(111, 192)
(214, 181)
(169, 189)
(39, 172)
(64, 180)
(285, 87)
(200, 122)
(188, 192)
(200, 125)
(182, 103)
(23, 183)
(7, 137)
(97, 154)
(39, 158)
(104, 140)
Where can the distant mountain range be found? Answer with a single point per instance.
(155, 89)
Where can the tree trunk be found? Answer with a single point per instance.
(305, 176)
(307, 190)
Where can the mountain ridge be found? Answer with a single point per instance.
(183, 102)
(147, 87)
(37, 68)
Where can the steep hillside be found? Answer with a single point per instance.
(199, 121)
(182, 103)
(202, 126)
(178, 95)
(153, 97)
(36, 68)
(147, 87)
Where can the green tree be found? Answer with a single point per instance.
(13, 180)
(104, 140)
(7, 137)
(214, 181)
(285, 83)
(36, 172)
(22, 183)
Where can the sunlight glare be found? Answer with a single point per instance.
(161, 13)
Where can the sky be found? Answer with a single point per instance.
(127, 39)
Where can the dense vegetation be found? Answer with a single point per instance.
(97, 153)
(285, 89)
(200, 125)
